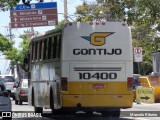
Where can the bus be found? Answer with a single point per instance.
(85, 66)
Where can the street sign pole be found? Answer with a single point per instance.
(138, 56)
(138, 67)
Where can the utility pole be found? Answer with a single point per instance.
(10, 32)
(65, 11)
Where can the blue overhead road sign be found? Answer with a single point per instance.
(34, 6)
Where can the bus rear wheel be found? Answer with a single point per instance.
(105, 113)
(115, 113)
(51, 102)
(89, 113)
(38, 110)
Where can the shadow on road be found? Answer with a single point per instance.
(82, 117)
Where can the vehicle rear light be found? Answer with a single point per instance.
(103, 23)
(97, 23)
(22, 92)
(91, 23)
(14, 85)
(5, 94)
(64, 83)
(130, 83)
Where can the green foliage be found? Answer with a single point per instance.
(100, 10)
(142, 15)
(60, 25)
(5, 43)
(17, 55)
(148, 46)
(7, 4)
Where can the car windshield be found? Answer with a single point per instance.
(25, 84)
(7, 79)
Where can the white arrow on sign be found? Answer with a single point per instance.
(15, 14)
(15, 19)
(15, 25)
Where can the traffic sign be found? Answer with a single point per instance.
(38, 14)
(33, 18)
(137, 54)
(35, 6)
(34, 24)
(145, 95)
(33, 12)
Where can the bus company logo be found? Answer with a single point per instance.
(97, 38)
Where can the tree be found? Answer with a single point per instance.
(5, 43)
(101, 10)
(17, 55)
(146, 12)
(7, 4)
(142, 15)
(60, 25)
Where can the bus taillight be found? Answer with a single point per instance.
(130, 83)
(64, 83)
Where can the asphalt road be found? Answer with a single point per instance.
(138, 112)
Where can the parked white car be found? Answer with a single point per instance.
(10, 84)
(5, 101)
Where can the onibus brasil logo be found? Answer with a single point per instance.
(97, 38)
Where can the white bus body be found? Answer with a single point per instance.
(91, 70)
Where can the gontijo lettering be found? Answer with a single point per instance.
(97, 39)
(99, 51)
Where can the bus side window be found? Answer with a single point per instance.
(36, 51)
(44, 49)
(32, 50)
(59, 46)
(49, 48)
(54, 44)
(40, 50)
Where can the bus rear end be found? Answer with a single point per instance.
(96, 72)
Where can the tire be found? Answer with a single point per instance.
(63, 113)
(106, 114)
(51, 102)
(16, 102)
(20, 101)
(13, 97)
(115, 113)
(38, 110)
(32, 97)
(89, 113)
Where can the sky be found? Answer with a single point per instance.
(5, 20)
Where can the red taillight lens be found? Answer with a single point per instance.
(64, 83)
(5, 94)
(130, 83)
(22, 92)
(14, 85)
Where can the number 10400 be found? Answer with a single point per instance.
(102, 75)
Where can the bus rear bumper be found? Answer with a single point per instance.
(97, 101)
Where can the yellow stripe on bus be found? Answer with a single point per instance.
(97, 88)
(97, 94)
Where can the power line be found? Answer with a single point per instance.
(70, 2)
